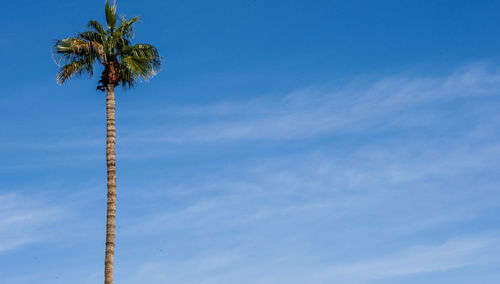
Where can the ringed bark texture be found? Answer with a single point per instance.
(111, 168)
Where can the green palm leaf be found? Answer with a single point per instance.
(74, 68)
(110, 15)
(138, 66)
(125, 30)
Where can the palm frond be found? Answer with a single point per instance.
(91, 36)
(74, 68)
(138, 66)
(110, 15)
(77, 48)
(64, 50)
(96, 26)
(127, 79)
(140, 61)
(125, 30)
(143, 50)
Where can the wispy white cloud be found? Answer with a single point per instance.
(312, 183)
(396, 102)
(452, 254)
(241, 265)
(24, 220)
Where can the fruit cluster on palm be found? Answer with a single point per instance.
(124, 64)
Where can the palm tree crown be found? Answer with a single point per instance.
(123, 63)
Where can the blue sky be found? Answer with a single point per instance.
(282, 142)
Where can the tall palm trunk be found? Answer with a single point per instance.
(111, 167)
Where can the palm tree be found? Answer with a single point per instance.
(124, 64)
